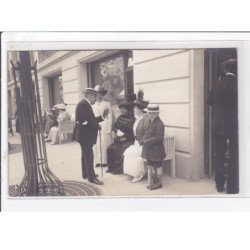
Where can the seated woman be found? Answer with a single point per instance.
(133, 162)
(123, 138)
(50, 118)
(63, 115)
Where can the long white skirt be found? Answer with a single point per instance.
(133, 162)
(54, 135)
(106, 140)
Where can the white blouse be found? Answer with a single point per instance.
(136, 123)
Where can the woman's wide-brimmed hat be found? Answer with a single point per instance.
(60, 106)
(100, 90)
(152, 108)
(126, 105)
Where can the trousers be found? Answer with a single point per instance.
(233, 164)
(87, 162)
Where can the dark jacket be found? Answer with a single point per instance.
(223, 97)
(125, 123)
(86, 125)
(153, 147)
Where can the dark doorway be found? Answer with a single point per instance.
(213, 61)
(55, 90)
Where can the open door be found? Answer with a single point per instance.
(213, 61)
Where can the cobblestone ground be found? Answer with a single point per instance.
(64, 161)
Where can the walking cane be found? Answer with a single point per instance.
(100, 140)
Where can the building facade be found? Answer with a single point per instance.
(174, 79)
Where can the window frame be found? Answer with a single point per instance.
(128, 87)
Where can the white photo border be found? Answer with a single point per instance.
(136, 40)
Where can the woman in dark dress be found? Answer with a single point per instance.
(123, 138)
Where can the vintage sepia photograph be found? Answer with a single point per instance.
(123, 122)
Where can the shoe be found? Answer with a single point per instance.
(141, 177)
(155, 186)
(96, 181)
(136, 179)
(229, 191)
(220, 189)
(87, 176)
(149, 186)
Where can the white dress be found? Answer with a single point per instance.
(106, 138)
(54, 131)
(133, 162)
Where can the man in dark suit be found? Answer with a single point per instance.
(224, 98)
(85, 132)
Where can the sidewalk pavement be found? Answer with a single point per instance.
(65, 162)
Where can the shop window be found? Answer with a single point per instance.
(55, 90)
(129, 73)
(114, 73)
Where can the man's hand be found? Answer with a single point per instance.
(105, 112)
(100, 127)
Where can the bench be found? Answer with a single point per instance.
(65, 127)
(169, 143)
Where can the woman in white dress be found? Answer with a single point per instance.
(133, 162)
(63, 115)
(100, 151)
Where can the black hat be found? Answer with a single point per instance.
(130, 97)
(140, 103)
(127, 105)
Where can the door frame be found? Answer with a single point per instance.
(213, 59)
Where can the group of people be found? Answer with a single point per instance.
(132, 144)
(136, 146)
